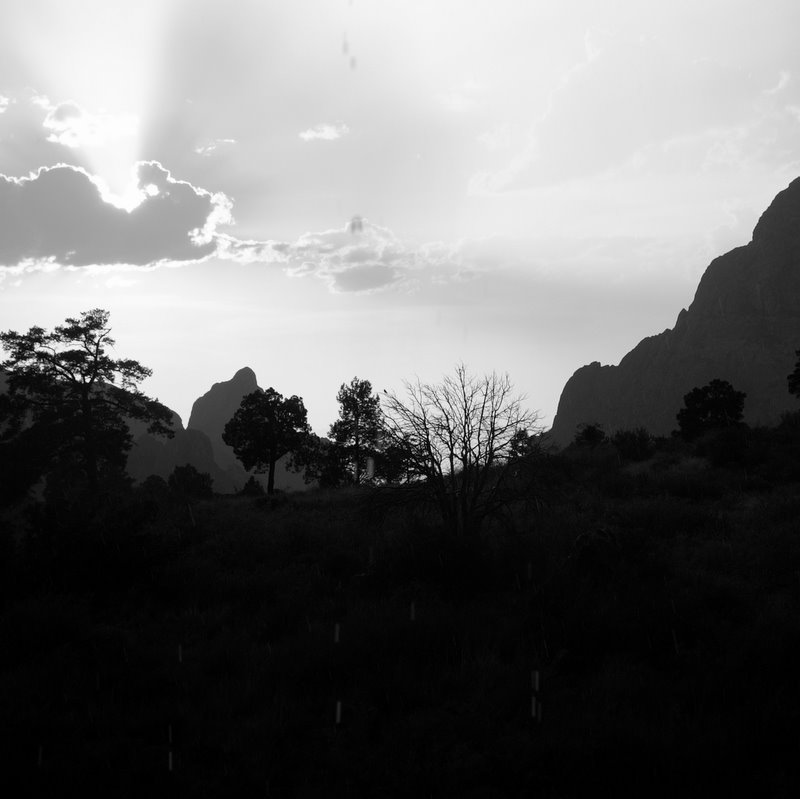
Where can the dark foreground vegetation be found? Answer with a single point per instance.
(167, 643)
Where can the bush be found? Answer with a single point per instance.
(589, 435)
(733, 444)
(188, 482)
(633, 445)
(252, 488)
(715, 405)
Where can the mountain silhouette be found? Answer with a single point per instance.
(200, 444)
(743, 326)
(210, 413)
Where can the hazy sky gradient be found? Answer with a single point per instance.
(323, 188)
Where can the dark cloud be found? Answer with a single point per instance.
(59, 214)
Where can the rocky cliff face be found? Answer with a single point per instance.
(743, 326)
(211, 412)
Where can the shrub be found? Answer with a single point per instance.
(589, 434)
(633, 445)
(252, 488)
(715, 405)
(188, 482)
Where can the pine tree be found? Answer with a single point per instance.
(359, 425)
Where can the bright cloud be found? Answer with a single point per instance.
(74, 127)
(4, 103)
(61, 215)
(211, 147)
(325, 132)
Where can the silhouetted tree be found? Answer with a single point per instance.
(358, 428)
(264, 428)
(322, 460)
(793, 379)
(252, 488)
(458, 437)
(392, 462)
(188, 482)
(713, 406)
(633, 445)
(66, 392)
(590, 434)
(524, 444)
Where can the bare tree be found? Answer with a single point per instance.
(459, 438)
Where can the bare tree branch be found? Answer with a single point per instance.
(459, 437)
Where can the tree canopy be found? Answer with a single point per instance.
(264, 428)
(359, 426)
(68, 393)
(715, 405)
(589, 434)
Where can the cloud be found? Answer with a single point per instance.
(783, 82)
(325, 132)
(464, 97)
(250, 251)
(357, 258)
(35, 132)
(4, 103)
(375, 260)
(69, 124)
(23, 138)
(211, 147)
(625, 96)
(360, 257)
(62, 215)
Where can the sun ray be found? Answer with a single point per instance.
(95, 63)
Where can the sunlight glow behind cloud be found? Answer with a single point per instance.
(62, 215)
(73, 127)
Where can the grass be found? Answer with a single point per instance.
(659, 600)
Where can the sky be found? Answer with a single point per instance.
(323, 189)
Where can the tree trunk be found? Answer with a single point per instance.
(89, 447)
(357, 449)
(271, 476)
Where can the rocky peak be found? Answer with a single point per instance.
(743, 326)
(778, 230)
(212, 411)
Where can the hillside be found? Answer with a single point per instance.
(658, 601)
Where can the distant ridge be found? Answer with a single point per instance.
(742, 326)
